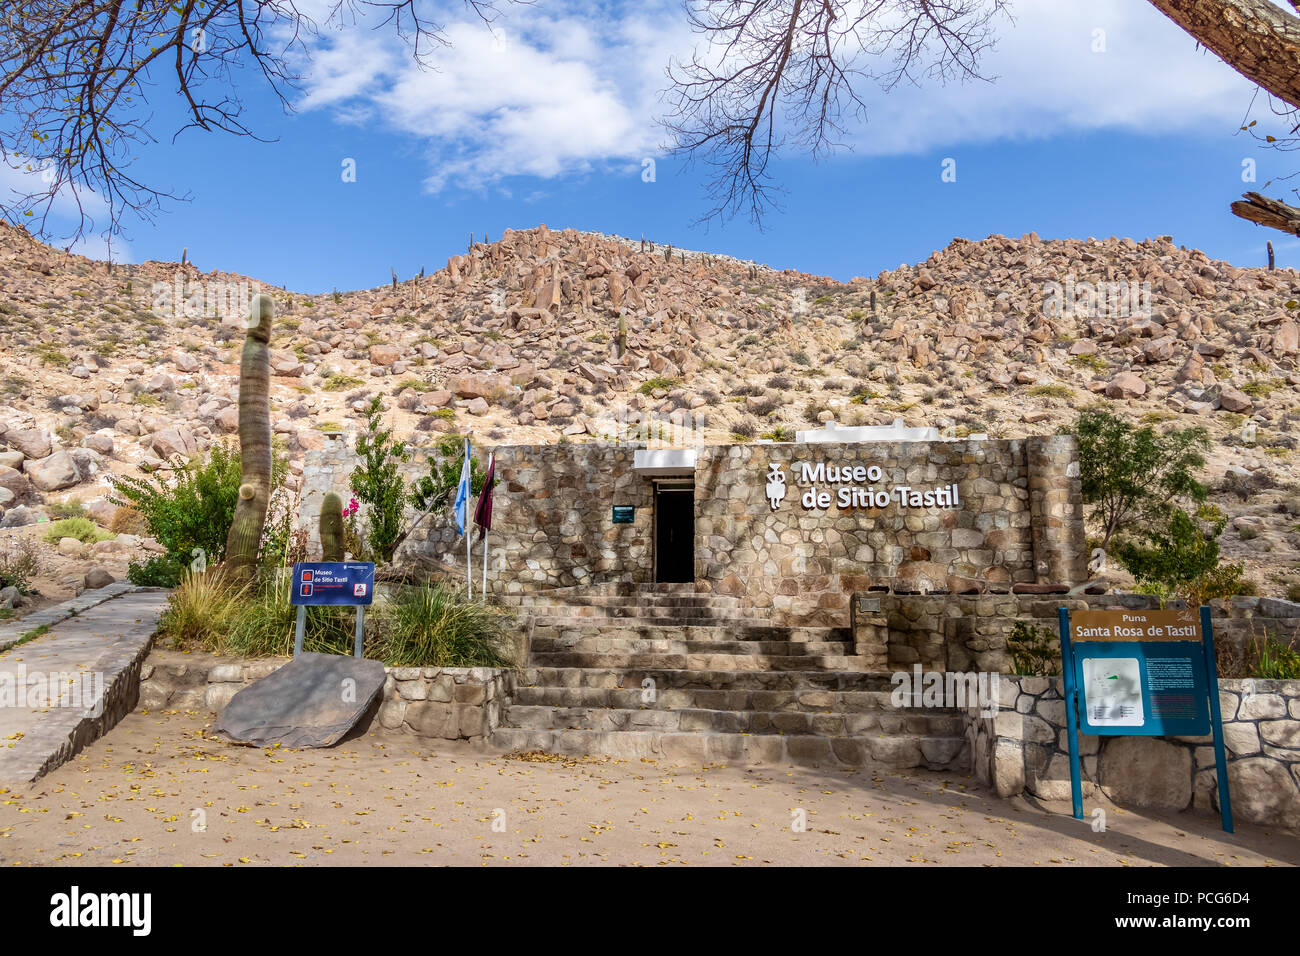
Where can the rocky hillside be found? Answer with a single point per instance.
(517, 341)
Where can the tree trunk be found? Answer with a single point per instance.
(1254, 37)
(1268, 212)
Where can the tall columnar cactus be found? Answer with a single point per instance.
(331, 528)
(622, 334)
(254, 440)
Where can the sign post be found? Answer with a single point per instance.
(332, 584)
(1147, 673)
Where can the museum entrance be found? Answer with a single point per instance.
(674, 531)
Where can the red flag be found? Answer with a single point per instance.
(483, 511)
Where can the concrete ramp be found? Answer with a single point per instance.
(313, 701)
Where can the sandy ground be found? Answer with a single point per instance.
(157, 791)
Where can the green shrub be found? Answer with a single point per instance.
(66, 509)
(340, 382)
(659, 381)
(1051, 391)
(1277, 661)
(19, 564)
(83, 529)
(427, 626)
(1135, 476)
(377, 482)
(1182, 557)
(158, 571)
(434, 626)
(1034, 651)
(190, 513)
(432, 491)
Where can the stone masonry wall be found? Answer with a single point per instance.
(1025, 748)
(806, 563)
(552, 518)
(438, 703)
(1018, 521)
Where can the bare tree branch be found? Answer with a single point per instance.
(75, 75)
(772, 72)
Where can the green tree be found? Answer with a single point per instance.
(377, 482)
(1180, 559)
(1135, 477)
(434, 490)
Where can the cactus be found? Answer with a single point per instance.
(254, 441)
(394, 272)
(331, 528)
(185, 254)
(873, 303)
(622, 334)
(668, 253)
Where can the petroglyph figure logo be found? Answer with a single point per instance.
(775, 485)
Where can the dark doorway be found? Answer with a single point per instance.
(674, 533)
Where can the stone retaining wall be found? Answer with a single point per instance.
(1025, 749)
(968, 632)
(435, 703)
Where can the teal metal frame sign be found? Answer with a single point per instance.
(624, 514)
(1141, 673)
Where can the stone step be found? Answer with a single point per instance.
(898, 752)
(697, 720)
(687, 615)
(559, 627)
(601, 644)
(704, 679)
(702, 662)
(800, 700)
(552, 599)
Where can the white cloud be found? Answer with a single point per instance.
(573, 87)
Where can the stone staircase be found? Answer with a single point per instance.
(665, 671)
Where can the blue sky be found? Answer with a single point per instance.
(552, 120)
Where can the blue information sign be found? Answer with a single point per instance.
(1136, 672)
(318, 583)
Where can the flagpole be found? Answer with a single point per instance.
(469, 568)
(484, 588)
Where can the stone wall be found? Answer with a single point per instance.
(1025, 748)
(436, 703)
(552, 518)
(1018, 520)
(435, 542)
(968, 632)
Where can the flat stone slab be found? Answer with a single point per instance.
(67, 687)
(313, 701)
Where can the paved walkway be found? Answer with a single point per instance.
(61, 690)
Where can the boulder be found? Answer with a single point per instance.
(185, 361)
(470, 385)
(177, 440)
(304, 703)
(32, 442)
(98, 578)
(1286, 339)
(1126, 385)
(53, 473)
(1234, 400)
(99, 443)
(227, 419)
(20, 517)
(384, 354)
(14, 481)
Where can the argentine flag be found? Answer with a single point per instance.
(462, 494)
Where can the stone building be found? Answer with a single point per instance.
(795, 529)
